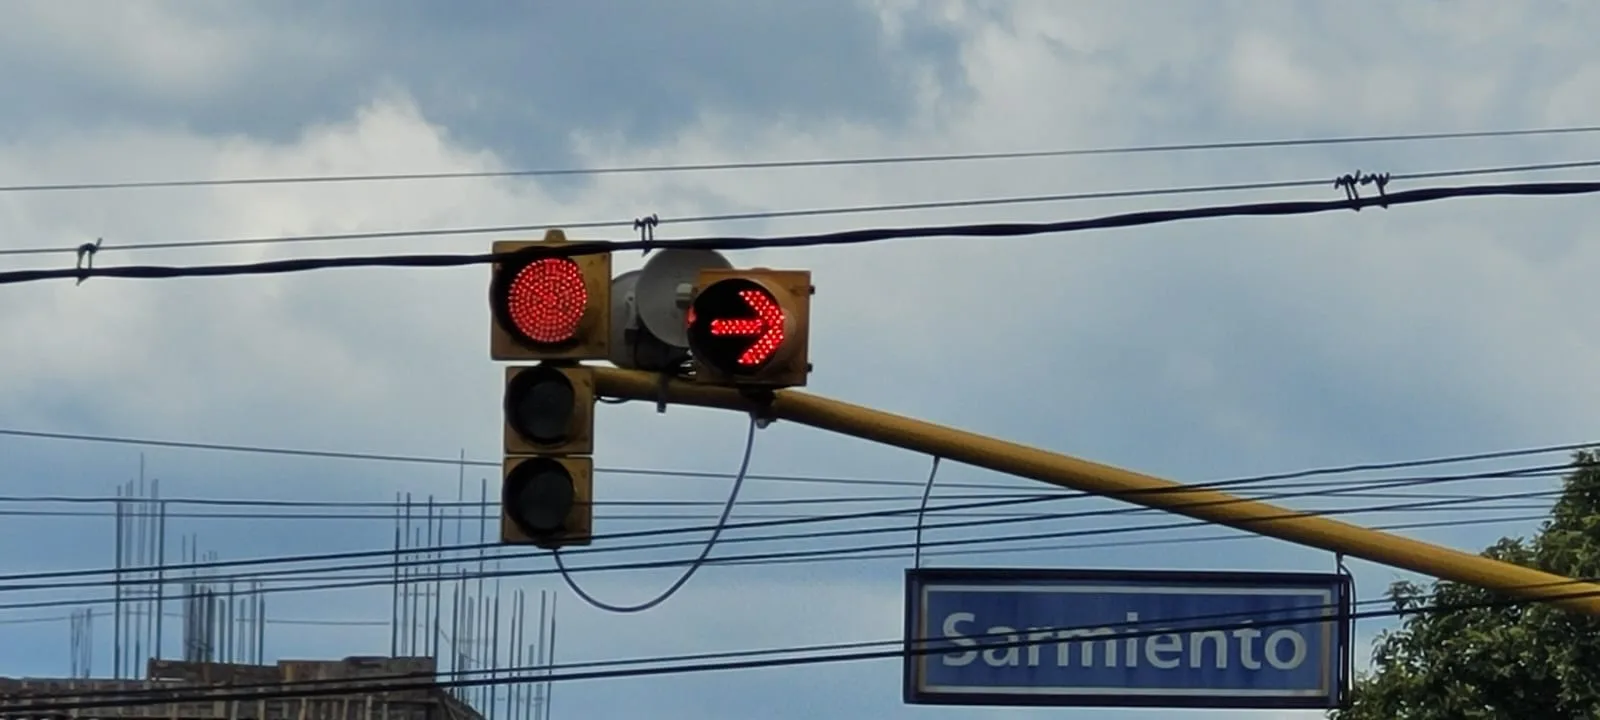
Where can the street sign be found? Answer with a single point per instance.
(1126, 638)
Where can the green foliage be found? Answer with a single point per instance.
(1504, 662)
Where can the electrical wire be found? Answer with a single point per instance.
(458, 505)
(808, 212)
(787, 164)
(632, 517)
(991, 547)
(1055, 548)
(461, 462)
(1236, 482)
(387, 580)
(1150, 542)
(1347, 469)
(846, 237)
(765, 559)
(464, 463)
(1220, 484)
(922, 510)
(899, 648)
(301, 574)
(722, 523)
(1314, 613)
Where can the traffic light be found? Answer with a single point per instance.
(549, 307)
(547, 485)
(750, 327)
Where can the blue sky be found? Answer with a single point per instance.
(1196, 350)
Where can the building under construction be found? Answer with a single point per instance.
(194, 683)
(172, 629)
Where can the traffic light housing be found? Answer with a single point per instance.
(549, 410)
(750, 327)
(547, 484)
(549, 307)
(547, 501)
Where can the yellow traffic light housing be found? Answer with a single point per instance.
(549, 410)
(547, 501)
(751, 327)
(547, 488)
(549, 307)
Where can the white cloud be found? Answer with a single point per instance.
(136, 42)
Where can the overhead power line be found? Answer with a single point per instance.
(793, 656)
(967, 547)
(848, 237)
(809, 212)
(788, 164)
(469, 462)
(1320, 612)
(831, 555)
(1456, 459)
(650, 517)
(990, 501)
(433, 558)
(1003, 546)
(1006, 500)
(458, 505)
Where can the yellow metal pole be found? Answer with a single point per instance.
(1083, 475)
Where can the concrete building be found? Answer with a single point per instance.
(196, 680)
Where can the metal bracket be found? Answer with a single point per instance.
(647, 231)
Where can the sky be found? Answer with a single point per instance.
(1194, 350)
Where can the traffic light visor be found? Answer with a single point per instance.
(543, 299)
(539, 496)
(736, 325)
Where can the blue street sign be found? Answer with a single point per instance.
(1129, 638)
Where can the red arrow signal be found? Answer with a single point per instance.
(766, 327)
(747, 328)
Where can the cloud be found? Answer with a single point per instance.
(1198, 350)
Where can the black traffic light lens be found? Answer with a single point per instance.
(539, 496)
(736, 326)
(540, 403)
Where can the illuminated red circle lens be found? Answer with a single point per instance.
(547, 299)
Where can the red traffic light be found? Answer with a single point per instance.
(749, 326)
(744, 320)
(543, 299)
(548, 305)
(736, 324)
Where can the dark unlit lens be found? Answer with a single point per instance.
(542, 409)
(544, 500)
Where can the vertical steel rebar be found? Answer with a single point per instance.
(550, 658)
(261, 628)
(136, 602)
(468, 659)
(539, 659)
(494, 654)
(408, 637)
(483, 539)
(116, 594)
(161, 571)
(428, 613)
(394, 586)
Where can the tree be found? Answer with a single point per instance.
(1511, 661)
